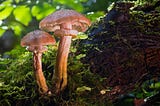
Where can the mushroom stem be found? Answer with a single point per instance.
(60, 73)
(40, 79)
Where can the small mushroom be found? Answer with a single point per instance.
(35, 42)
(65, 24)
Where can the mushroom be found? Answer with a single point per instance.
(35, 42)
(65, 24)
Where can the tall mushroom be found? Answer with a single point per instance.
(35, 42)
(65, 24)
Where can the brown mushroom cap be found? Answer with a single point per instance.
(37, 38)
(61, 18)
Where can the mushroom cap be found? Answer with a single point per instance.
(40, 49)
(62, 32)
(58, 19)
(37, 38)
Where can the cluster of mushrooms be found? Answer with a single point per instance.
(65, 24)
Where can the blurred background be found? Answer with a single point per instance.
(18, 17)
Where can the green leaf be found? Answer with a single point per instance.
(82, 36)
(48, 9)
(1, 84)
(41, 11)
(155, 85)
(17, 1)
(73, 50)
(83, 88)
(4, 13)
(36, 10)
(22, 14)
(74, 4)
(93, 16)
(6, 3)
(17, 27)
(80, 56)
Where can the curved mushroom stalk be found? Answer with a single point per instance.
(35, 42)
(60, 73)
(40, 79)
(65, 24)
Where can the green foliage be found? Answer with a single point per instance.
(22, 14)
(42, 10)
(6, 11)
(17, 83)
(16, 79)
